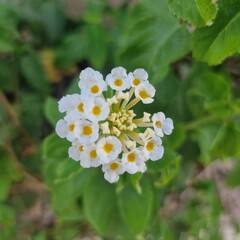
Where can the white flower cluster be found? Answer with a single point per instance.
(104, 132)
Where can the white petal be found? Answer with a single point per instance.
(111, 176)
(74, 153)
(141, 74)
(62, 128)
(157, 153)
(168, 126)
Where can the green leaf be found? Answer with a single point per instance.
(207, 136)
(213, 44)
(51, 111)
(154, 39)
(65, 177)
(73, 49)
(166, 168)
(136, 208)
(233, 176)
(6, 216)
(31, 113)
(195, 12)
(100, 205)
(34, 74)
(227, 144)
(8, 27)
(57, 164)
(53, 20)
(208, 92)
(96, 52)
(8, 75)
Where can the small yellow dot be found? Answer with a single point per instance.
(136, 82)
(96, 110)
(114, 166)
(80, 107)
(81, 148)
(95, 89)
(149, 146)
(93, 154)
(87, 130)
(131, 157)
(108, 147)
(143, 94)
(71, 127)
(118, 82)
(158, 124)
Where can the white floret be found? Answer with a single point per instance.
(91, 82)
(97, 110)
(108, 148)
(137, 77)
(145, 91)
(86, 131)
(153, 149)
(89, 157)
(161, 124)
(117, 79)
(134, 161)
(65, 127)
(112, 170)
(68, 102)
(76, 150)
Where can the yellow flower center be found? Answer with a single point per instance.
(80, 107)
(143, 94)
(71, 127)
(158, 124)
(87, 130)
(108, 147)
(93, 154)
(95, 89)
(149, 146)
(118, 82)
(136, 82)
(131, 157)
(81, 148)
(96, 110)
(114, 166)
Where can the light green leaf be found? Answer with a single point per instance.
(136, 208)
(195, 12)
(154, 39)
(215, 43)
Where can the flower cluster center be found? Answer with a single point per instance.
(123, 120)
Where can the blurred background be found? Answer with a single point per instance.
(193, 192)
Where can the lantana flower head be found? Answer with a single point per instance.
(106, 132)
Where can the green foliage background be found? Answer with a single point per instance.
(191, 52)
